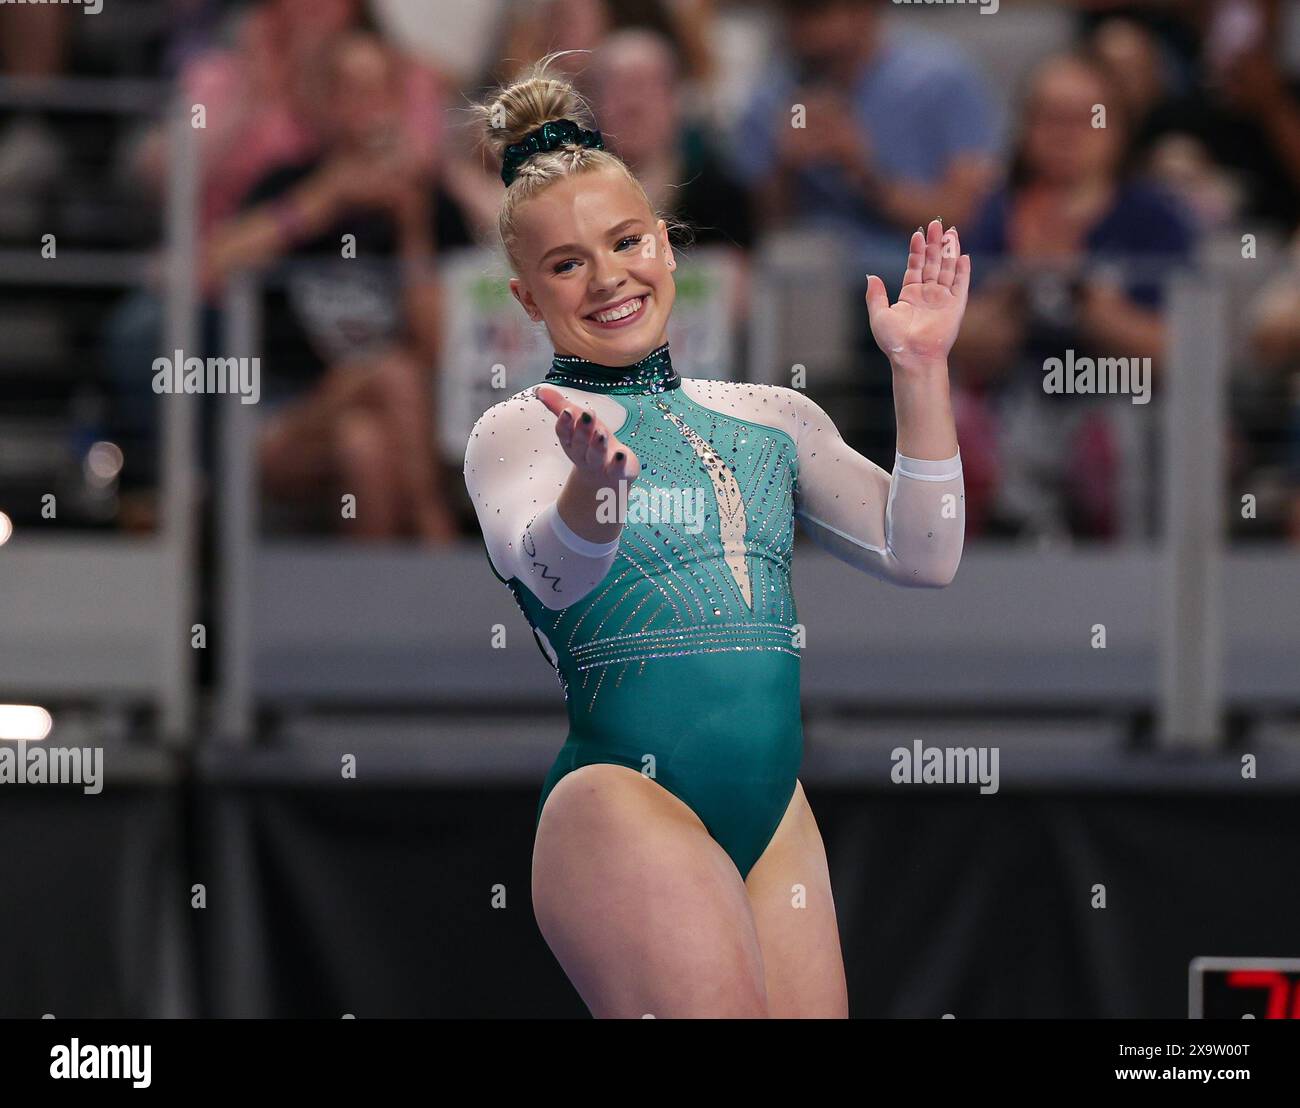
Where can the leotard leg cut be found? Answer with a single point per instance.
(720, 731)
(681, 664)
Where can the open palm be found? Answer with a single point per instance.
(921, 327)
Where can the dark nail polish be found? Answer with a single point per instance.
(586, 417)
(619, 455)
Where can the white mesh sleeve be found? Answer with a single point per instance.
(907, 528)
(514, 471)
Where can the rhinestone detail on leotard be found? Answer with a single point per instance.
(673, 590)
(653, 373)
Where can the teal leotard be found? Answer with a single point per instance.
(676, 643)
(681, 664)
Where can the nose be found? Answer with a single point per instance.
(608, 275)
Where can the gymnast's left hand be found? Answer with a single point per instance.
(917, 332)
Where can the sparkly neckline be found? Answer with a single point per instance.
(653, 373)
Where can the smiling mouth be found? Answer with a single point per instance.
(620, 314)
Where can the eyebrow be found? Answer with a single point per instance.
(572, 247)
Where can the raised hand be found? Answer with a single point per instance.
(919, 330)
(595, 453)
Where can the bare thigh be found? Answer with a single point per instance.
(641, 907)
(790, 890)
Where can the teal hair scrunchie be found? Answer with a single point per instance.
(556, 132)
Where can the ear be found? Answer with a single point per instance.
(525, 298)
(665, 245)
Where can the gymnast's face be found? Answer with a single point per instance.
(595, 265)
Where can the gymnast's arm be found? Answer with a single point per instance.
(907, 527)
(517, 474)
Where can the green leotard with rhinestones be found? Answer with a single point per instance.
(681, 664)
(676, 643)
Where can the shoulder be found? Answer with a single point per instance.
(777, 406)
(505, 422)
(505, 409)
(521, 424)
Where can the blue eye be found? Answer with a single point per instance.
(559, 267)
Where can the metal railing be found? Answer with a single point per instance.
(102, 615)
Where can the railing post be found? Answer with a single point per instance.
(1194, 485)
(178, 416)
(236, 498)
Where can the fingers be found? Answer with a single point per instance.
(933, 255)
(599, 452)
(596, 437)
(565, 427)
(623, 464)
(877, 298)
(585, 439)
(573, 424)
(627, 466)
(961, 278)
(933, 251)
(571, 428)
(552, 398)
(949, 252)
(575, 429)
(915, 258)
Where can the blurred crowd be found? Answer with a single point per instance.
(321, 123)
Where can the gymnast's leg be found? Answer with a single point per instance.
(644, 911)
(790, 890)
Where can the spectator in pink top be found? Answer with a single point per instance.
(255, 98)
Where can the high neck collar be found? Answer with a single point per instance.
(653, 373)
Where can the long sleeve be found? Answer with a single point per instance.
(514, 470)
(908, 527)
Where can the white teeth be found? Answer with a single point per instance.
(620, 312)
